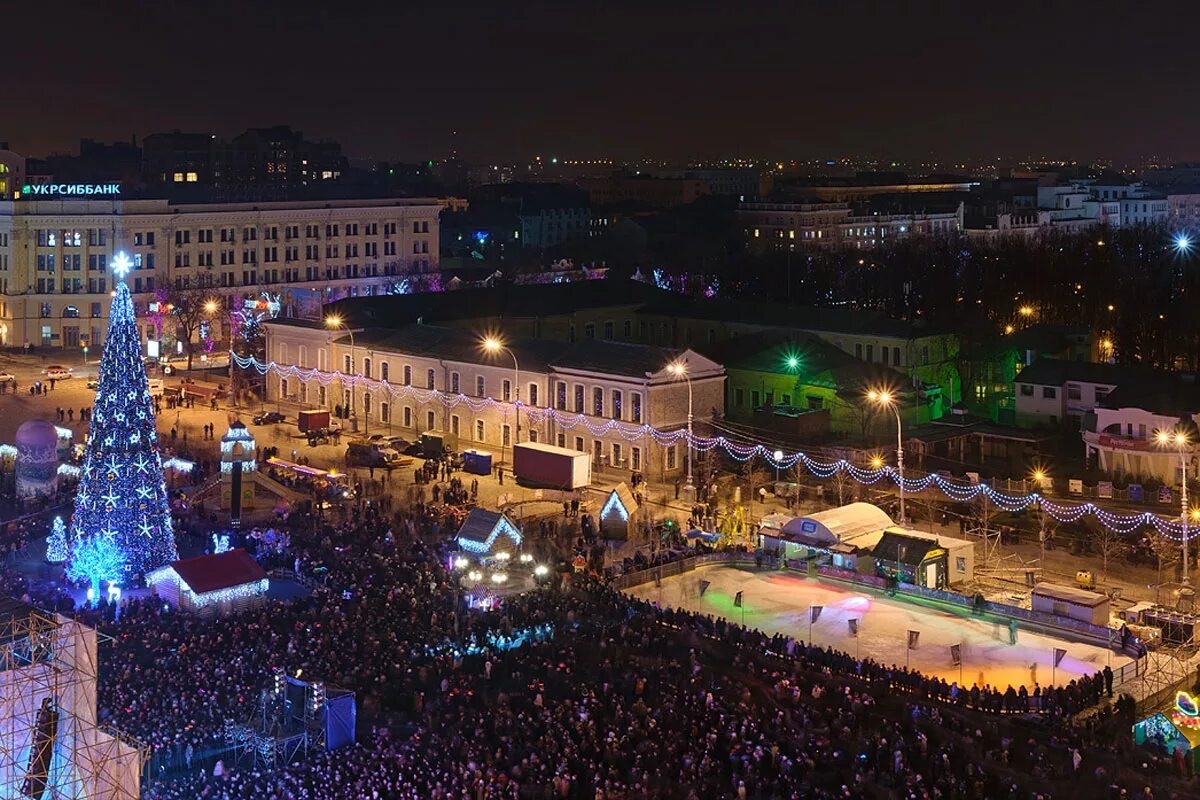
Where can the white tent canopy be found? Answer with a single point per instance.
(844, 524)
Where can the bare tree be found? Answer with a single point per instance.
(189, 308)
(1111, 545)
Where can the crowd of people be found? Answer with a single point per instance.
(614, 698)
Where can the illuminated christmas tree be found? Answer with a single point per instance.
(56, 544)
(122, 495)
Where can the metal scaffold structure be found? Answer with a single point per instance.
(51, 745)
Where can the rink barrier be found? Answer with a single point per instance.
(672, 568)
(1098, 635)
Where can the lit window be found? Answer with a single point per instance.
(178, 177)
(192, 177)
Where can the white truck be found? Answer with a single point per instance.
(547, 466)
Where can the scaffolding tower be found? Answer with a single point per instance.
(51, 745)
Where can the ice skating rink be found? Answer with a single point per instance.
(778, 602)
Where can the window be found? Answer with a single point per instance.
(385, 412)
(430, 420)
(672, 457)
(406, 415)
(598, 401)
(347, 365)
(960, 564)
(407, 372)
(383, 371)
(479, 430)
(454, 424)
(616, 454)
(1074, 391)
(430, 378)
(560, 395)
(754, 399)
(533, 394)
(739, 397)
(579, 398)
(579, 444)
(870, 353)
(608, 330)
(895, 356)
(616, 403)
(1101, 392)
(627, 329)
(1026, 390)
(635, 407)
(506, 435)
(1049, 392)
(506, 390)
(366, 367)
(858, 350)
(480, 386)
(635, 458)
(589, 331)
(454, 383)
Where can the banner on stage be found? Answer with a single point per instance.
(912, 639)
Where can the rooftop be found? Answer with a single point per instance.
(1057, 371)
(213, 572)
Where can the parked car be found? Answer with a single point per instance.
(7, 377)
(57, 372)
(268, 418)
(94, 383)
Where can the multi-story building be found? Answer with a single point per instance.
(1120, 434)
(643, 191)
(441, 379)
(55, 253)
(1053, 391)
(790, 226)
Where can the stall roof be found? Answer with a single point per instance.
(624, 496)
(213, 572)
(1071, 594)
(482, 528)
(845, 523)
(940, 540)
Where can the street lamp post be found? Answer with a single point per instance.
(335, 322)
(679, 370)
(1179, 441)
(493, 345)
(884, 398)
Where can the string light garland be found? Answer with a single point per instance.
(955, 490)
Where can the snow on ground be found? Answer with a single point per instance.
(778, 602)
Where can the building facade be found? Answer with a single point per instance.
(783, 226)
(55, 254)
(440, 379)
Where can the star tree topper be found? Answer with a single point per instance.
(121, 264)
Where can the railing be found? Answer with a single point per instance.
(678, 567)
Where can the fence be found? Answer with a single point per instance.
(673, 568)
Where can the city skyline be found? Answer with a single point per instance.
(669, 81)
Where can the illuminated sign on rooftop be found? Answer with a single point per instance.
(70, 189)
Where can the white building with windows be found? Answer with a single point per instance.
(421, 378)
(54, 255)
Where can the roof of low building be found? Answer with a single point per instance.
(1174, 396)
(1057, 371)
(213, 572)
(903, 549)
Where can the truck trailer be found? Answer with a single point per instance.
(537, 464)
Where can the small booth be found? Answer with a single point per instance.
(1071, 602)
(1174, 730)
(482, 529)
(917, 561)
(477, 462)
(616, 515)
(217, 584)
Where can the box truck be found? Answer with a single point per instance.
(552, 467)
(313, 420)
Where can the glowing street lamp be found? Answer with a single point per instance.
(1178, 440)
(680, 371)
(1183, 243)
(336, 322)
(885, 399)
(494, 345)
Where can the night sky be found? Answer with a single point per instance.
(907, 80)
